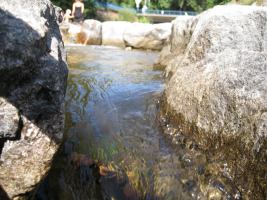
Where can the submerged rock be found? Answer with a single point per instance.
(218, 91)
(33, 73)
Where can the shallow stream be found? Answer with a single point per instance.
(113, 145)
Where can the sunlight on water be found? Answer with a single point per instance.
(113, 147)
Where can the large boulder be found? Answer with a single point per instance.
(217, 94)
(87, 33)
(91, 33)
(261, 2)
(33, 73)
(112, 33)
(117, 33)
(181, 32)
(73, 29)
(70, 31)
(147, 36)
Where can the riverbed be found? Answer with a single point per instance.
(113, 146)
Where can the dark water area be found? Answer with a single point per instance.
(113, 146)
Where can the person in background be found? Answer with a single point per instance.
(67, 16)
(77, 11)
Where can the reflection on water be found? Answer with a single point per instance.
(111, 107)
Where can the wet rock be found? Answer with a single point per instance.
(81, 159)
(147, 36)
(114, 184)
(217, 93)
(112, 33)
(164, 58)
(105, 171)
(33, 74)
(129, 192)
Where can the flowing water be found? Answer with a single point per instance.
(113, 146)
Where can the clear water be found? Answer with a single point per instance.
(111, 120)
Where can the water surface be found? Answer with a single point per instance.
(111, 119)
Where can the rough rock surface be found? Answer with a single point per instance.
(33, 74)
(218, 91)
(112, 33)
(181, 32)
(74, 29)
(147, 36)
(9, 119)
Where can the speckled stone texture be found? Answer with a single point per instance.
(220, 83)
(33, 74)
(218, 90)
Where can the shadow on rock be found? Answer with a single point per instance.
(33, 74)
(3, 194)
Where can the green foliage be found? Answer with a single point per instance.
(127, 15)
(144, 20)
(248, 2)
(200, 5)
(64, 4)
(163, 4)
(89, 6)
(128, 3)
(130, 16)
(194, 5)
